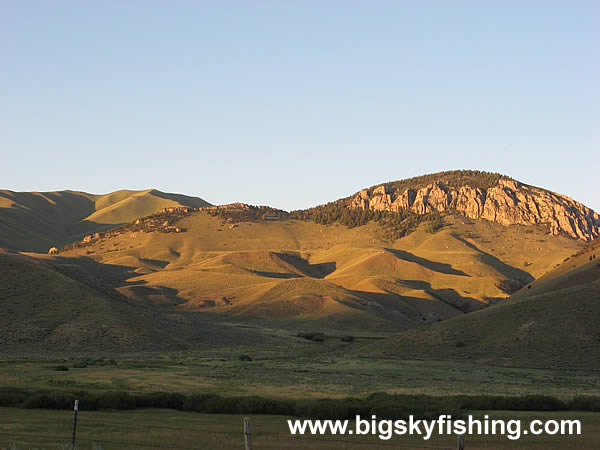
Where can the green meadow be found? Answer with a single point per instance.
(304, 369)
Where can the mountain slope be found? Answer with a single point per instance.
(36, 221)
(551, 323)
(321, 275)
(386, 271)
(49, 307)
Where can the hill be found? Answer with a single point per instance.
(304, 274)
(552, 323)
(46, 307)
(364, 264)
(37, 221)
(474, 194)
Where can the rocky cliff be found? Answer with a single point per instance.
(507, 202)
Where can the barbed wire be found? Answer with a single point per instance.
(258, 434)
(104, 441)
(256, 437)
(381, 443)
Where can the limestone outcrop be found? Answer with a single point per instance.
(508, 202)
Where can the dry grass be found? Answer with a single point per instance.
(554, 323)
(36, 221)
(289, 269)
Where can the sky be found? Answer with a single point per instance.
(297, 103)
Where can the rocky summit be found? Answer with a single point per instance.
(508, 202)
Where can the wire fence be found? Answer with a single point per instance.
(65, 440)
(274, 440)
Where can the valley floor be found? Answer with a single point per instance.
(300, 369)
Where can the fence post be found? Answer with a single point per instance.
(75, 409)
(461, 442)
(247, 440)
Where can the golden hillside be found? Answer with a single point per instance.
(36, 221)
(322, 275)
(48, 307)
(553, 322)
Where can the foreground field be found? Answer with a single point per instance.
(174, 429)
(299, 370)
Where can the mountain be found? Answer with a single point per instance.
(37, 221)
(552, 323)
(257, 264)
(364, 264)
(480, 195)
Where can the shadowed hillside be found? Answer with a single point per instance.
(552, 322)
(340, 267)
(321, 276)
(37, 221)
(63, 308)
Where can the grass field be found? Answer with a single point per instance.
(142, 429)
(305, 370)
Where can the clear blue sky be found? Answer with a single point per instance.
(295, 103)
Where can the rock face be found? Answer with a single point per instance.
(508, 202)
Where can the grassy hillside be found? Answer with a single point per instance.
(553, 322)
(62, 308)
(321, 276)
(272, 269)
(36, 221)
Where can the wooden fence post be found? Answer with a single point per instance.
(75, 409)
(461, 442)
(247, 440)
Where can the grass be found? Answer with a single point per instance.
(36, 221)
(163, 428)
(292, 270)
(552, 321)
(302, 369)
(286, 274)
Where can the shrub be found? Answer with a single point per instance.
(245, 358)
(115, 400)
(171, 400)
(435, 225)
(260, 405)
(197, 402)
(308, 336)
(389, 406)
(348, 339)
(585, 403)
(51, 400)
(421, 406)
(61, 368)
(317, 337)
(520, 403)
(13, 396)
(510, 286)
(322, 409)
